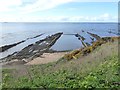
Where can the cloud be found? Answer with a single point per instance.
(42, 5)
(97, 0)
(23, 18)
(28, 6)
(107, 17)
(20, 11)
(6, 5)
(100, 18)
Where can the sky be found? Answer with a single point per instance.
(59, 10)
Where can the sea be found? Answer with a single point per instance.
(12, 32)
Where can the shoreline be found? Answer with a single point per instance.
(34, 50)
(95, 67)
(43, 59)
(6, 47)
(45, 50)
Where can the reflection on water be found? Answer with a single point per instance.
(15, 32)
(67, 42)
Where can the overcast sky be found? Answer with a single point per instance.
(58, 10)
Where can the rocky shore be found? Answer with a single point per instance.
(34, 50)
(38, 49)
(6, 47)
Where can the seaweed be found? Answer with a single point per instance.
(86, 50)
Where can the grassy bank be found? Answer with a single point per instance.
(99, 69)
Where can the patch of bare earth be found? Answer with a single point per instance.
(83, 64)
(46, 58)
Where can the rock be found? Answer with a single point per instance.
(95, 36)
(6, 47)
(35, 50)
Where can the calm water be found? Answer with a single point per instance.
(15, 32)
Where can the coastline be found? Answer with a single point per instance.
(99, 63)
(53, 56)
(34, 50)
(43, 59)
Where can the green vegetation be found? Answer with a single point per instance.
(95, 70)
(104, 76)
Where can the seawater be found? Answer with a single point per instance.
(14, 32)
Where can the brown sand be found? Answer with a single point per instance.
(46, 58)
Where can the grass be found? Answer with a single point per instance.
(88, 72)
(106, 75)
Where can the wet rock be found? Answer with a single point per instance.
(79, 36)
(83, 31)
(36, 36)
(35, 50)
(114, 32)
(87, 44)
(94, 35)
(6, 47)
